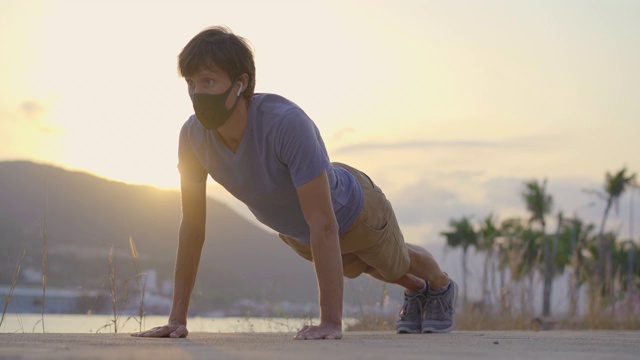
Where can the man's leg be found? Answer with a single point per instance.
(410, 317)
(376, 239)
(424, 266)
(423, 269)
(430, 296)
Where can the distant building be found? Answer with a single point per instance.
(57, 301)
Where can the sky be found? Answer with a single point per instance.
(450, 106)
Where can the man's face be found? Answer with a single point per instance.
(209, 81)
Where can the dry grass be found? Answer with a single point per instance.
(119, 300)
(113, 290)
(373, 322)
(44, 255)
(478, 320)
(14, 283)
(141, 281)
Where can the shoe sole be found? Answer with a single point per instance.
(403, 330)
(438, 331)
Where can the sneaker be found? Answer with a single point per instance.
(439, 309)
(410, 317)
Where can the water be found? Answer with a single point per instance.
(73, 323)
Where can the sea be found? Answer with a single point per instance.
(105, 324)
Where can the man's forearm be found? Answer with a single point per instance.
(325, 247)
(187, 260)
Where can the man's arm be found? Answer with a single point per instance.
(190, 241)
(315, 200)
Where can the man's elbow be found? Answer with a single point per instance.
(326, 227)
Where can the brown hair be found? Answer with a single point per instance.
(219, 46)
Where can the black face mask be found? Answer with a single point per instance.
(211, 109)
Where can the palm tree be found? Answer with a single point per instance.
(554, 262)
(519, 251)
(487, 236)
(539, 204)
(580, 235)
(462, 235)
(615, 185)
(508, 258)
(530, 250)
(621, 253)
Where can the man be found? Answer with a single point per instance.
(267, 152)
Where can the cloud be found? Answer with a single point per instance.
(427, 201)
(404, 145)
(26, 133)
(338, 135)
(567, 192)
(32, 110)
(35, 113)
(427, 205)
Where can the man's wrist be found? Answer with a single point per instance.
(336, 323)
(177, 321)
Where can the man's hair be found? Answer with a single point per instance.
(219, 46)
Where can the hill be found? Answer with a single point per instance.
(86, 216)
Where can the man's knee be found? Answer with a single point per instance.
(371, 271)
(374, 273)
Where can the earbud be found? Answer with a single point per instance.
(239, 90)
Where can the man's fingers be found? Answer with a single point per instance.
(317, 333)
(164, 331)
(155, 332)
(160, 332)
(146, 333)
(301, 332)
(304, 328)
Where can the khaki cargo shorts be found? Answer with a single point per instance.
(373, 240)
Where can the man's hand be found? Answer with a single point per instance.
(172, 331)
(320, 332)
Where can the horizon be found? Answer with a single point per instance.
(448, 106)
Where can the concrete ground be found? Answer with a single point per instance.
(569, 345)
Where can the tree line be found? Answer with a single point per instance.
(516, 250)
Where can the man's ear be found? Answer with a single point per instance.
(244, 83)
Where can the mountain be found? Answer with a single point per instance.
(84, 216)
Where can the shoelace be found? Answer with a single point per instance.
(411, 307)
(437, 307)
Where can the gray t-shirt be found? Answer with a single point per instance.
(280, 150)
